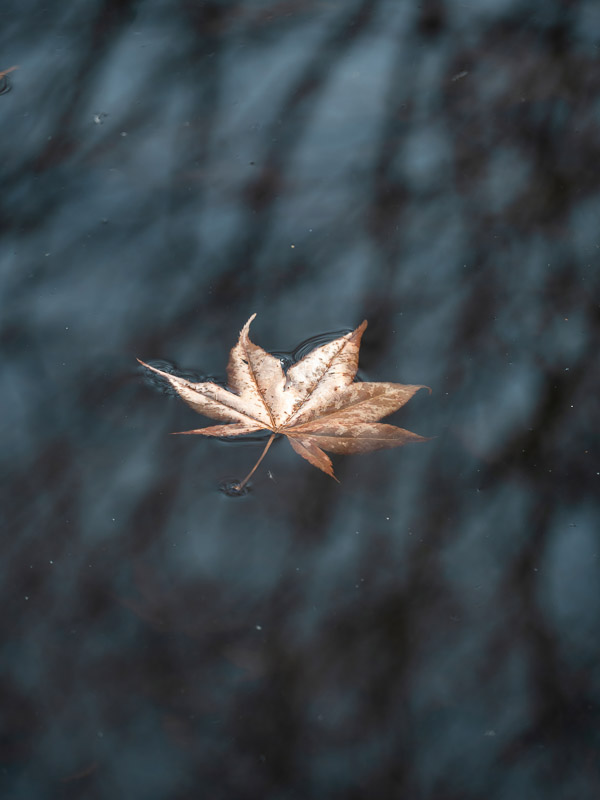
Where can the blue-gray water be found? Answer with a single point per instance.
(428, 628)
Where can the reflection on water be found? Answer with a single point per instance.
(310, 344)
(425, 629)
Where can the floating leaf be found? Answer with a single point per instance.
(315, 403)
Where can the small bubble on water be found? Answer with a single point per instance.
(285, 360)
(231, 488)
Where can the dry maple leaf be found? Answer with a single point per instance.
(315, 403)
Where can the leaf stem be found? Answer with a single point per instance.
(241, 485)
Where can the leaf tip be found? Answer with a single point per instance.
(147, 366)
(244, 337)
(151, 368)
(356, 335)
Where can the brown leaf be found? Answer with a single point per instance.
(312, 453)
(315, 403)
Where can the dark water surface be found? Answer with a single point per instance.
(428, 629)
